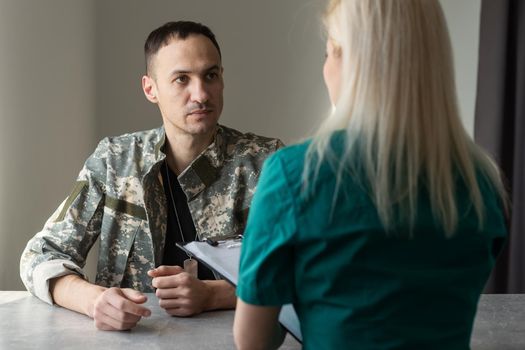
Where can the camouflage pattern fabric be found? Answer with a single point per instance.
(118, 197)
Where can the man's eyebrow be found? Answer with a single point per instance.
(188, 71)
(214, 67)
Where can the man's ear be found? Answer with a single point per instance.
(149, 88)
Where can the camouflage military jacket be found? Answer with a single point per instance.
(118, 197)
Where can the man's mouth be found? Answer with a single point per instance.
(200, 111)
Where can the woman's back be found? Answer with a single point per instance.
(355, 285)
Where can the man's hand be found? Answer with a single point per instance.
(111, 309)
(119, 309)
(180, 293)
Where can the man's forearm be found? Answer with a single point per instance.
(74, 293)
(222, 295)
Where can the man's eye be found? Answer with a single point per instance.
(182, 79)
(212, 76)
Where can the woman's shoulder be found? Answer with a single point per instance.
(286, 165)
(291, 156)
(295, 154)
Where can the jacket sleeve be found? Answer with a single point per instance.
(61, 248)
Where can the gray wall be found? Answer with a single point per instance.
(72, 69)
(463, 19)
(47, 106)
(272, 55)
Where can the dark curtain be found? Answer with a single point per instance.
(500, 124)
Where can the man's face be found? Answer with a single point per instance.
(185, 80)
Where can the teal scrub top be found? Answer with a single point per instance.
(353, 285)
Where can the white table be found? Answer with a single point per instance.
(28, 323)
(500, 322)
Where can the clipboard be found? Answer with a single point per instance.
(224, 259)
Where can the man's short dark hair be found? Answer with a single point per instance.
(161, 37)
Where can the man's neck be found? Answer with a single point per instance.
(182, 148)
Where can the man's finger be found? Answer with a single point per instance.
(172, 281)
(134, 295)
(108, 323)
(168, 282)
(107, 317)
(165, 270)
(122, 303)
(170, 303)
(169, 293)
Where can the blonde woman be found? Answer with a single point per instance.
(382, 230)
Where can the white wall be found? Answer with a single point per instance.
(72, 69)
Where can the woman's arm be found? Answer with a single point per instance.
(257, 327)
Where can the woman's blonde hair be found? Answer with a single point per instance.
(399, 108)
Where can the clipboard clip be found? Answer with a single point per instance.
(230, 243)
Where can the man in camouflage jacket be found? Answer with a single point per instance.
(119, 196)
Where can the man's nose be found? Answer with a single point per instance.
(199, 92)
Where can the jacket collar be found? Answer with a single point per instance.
(204, 170)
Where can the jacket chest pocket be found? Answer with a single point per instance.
(120, 229)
